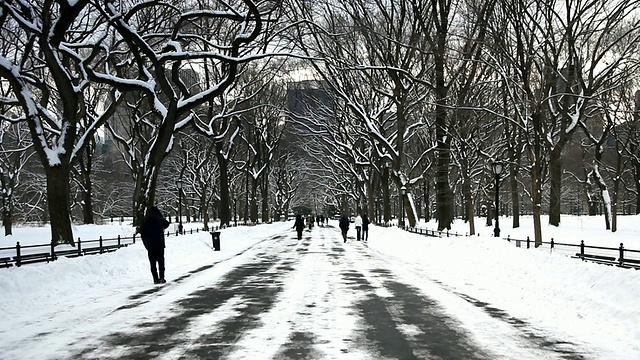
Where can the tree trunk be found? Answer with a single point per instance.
(515, 198)
(87, 184)
(411, 216)
(468, 201)
(535, 156)
(139, 204)
(224, 209)
(265, 197)
(636, 177)
(371, 199)
(144, 195)
(58, 193)
(204, 207)
(489, 212)
(536, 199)
(253, 201)
(247, 195)
(444, 195)
(87, 204)
(6, 219)
(385, 195)
(427, 203)
(614, 208)
(555, 175)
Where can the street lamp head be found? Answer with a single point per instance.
(179, 184)
(403, 190)
(497, 167)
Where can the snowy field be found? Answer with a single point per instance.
(48, 311)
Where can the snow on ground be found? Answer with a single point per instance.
(585, 303)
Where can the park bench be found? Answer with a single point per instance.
(630, 263)
(68, 253)
(5, 262)
(104, 249)
(32, 258)
(600, 259)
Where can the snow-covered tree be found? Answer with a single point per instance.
(44, 70)
(177, 57)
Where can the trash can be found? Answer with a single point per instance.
(215, 235)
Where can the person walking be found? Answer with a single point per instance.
(358, 224)
(365, 227)
(344, 226)
(299, 226)
(152, 234)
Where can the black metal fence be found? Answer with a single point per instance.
(433, 233)
(19, 255)
(619, 256)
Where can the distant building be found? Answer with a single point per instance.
(308, 103)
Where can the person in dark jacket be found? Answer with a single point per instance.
(344, 226)
(365, 227)
(299, 225)
(152, 234)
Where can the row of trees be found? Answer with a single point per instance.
(431, 92)
(419, 97)
(70, 69)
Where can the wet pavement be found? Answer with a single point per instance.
(286, 300)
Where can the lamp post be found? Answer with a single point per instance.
(179, 184)
(497, 170)
(403, 191)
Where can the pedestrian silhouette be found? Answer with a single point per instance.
(365, 228)
(152, 234)
(344, 226)
(358, 224)
(299, 226)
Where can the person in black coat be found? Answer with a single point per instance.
(344, 226)
(299, 225)
(365, 227)
(152, 234)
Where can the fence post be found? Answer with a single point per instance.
(134, 237)
(509, 238)
(621, 259)
(528, 243)
(581, 247)
(551, 245)
(79, 247)
(53, 251)
(119, 242)
(100, 244)
(18, 253)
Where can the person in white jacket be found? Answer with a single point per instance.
(358, 224)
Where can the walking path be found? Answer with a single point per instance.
(317, 298)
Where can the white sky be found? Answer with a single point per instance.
(54, 311)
